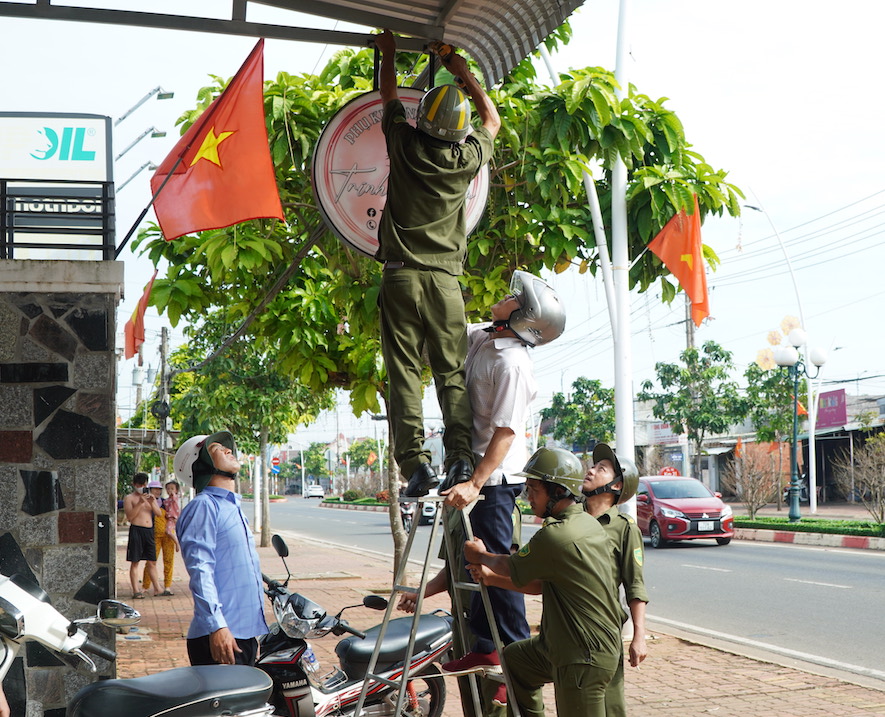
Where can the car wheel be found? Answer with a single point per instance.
(723, 541)
(654, 533)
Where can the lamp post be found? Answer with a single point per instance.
(152, 131)
(150, 166)
(788, 357)
(158, 91)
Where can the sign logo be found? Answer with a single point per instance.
(71, 146)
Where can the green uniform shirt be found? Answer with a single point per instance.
(625, 541)
(581, 613)
(423, 222)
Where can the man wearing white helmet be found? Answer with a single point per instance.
(501, 383)
(422, 242)
(219, 553)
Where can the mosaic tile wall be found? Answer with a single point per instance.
(57, 471)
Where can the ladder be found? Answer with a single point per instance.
(453, 553)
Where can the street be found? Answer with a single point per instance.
(821, 603)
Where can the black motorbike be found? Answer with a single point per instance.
(303, 688)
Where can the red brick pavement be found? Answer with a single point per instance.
(679, 678)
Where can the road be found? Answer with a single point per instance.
(820, 605)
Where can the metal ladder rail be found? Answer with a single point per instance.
(397, 588)
(487, 605)
(453, 561)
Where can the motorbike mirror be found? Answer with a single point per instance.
(114, 613)
(375, 602)
(280, 546)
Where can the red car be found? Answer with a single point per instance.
(679, 508)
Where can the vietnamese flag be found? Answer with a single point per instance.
(678, 245)
(134, 329)
(220, 173)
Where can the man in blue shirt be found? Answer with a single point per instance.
(219, 553)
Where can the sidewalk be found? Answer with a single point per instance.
(678, 678)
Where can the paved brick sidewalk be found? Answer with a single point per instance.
(679, 678)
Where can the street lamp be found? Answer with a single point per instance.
(158, 91)
(152, 131)
(788, 357)
(147, 165)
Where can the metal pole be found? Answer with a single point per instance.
(794, 513)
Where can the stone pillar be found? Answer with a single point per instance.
(58, 460)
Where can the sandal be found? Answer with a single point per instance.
(138, 596)
(167, 591)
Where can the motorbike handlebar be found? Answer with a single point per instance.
(352, 630)
(99, 650)
(273, 584)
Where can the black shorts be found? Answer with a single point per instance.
(142, 545)
(199, 652)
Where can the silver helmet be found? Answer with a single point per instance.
(540, 317)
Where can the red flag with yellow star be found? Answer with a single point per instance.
(678, 245)
(220, 173)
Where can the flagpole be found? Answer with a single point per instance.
(149, 205)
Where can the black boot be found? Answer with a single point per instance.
(422, 480)
(459, 472)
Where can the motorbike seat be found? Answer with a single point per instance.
(206, 689)
(355, 654)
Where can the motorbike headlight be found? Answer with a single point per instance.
(290, 623)
(670, 513)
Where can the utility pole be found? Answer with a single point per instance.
(161, 408)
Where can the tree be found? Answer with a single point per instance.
(697, 398)
(753, 475)
(363, 455)
(585, 417)
(865, 476)
(243, 392)
(322, 327)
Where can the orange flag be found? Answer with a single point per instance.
(678, 245)
(134, 329)
(220, 172)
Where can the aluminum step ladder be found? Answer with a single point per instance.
(456, 586)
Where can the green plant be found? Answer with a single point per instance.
(351, 495)
(814, 525)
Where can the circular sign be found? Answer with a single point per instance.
(669, 471)
(350, 171)
(275, 461)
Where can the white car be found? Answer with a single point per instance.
(315, 491)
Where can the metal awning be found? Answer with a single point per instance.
(498, 34)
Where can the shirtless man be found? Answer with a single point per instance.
(141, 507)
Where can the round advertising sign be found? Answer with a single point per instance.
(350, 171)
(669, 471)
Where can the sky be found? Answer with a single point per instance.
(783, 96)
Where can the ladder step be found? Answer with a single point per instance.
(467, 586)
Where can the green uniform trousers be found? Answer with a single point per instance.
(579, 688)
(615, 701)
(424, 310)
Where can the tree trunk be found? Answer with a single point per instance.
(396, 523)
(265, 502)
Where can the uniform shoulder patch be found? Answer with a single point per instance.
(524, 550)
(637, 556)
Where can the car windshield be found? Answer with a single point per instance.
(688, 488)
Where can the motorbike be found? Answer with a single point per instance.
(302, 688)
(26, 614)
(407, 515)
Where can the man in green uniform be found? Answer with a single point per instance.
(568, 561)
(609, 482)
(422, 241)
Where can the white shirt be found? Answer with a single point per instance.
(501, 384)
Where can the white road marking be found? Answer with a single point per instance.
(812, 582)
(704, 567)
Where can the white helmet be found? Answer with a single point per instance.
(540, 317)
(192, 463)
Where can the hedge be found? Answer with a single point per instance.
(814, 525)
